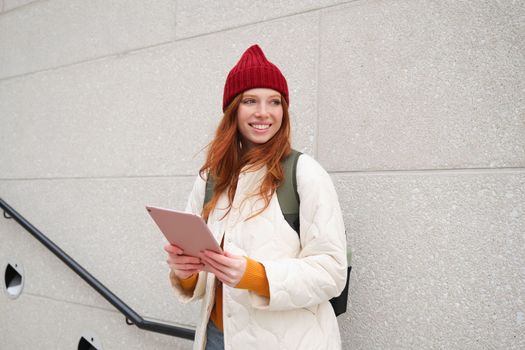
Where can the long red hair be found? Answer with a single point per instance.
(226, 158)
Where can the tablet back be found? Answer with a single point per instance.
(185, 230)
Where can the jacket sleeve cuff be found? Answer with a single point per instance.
(187, 295)
(254, 278)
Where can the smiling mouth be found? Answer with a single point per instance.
(260, 126)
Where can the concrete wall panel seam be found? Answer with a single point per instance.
(174, 176)
(269, 19)
(318, 65)
(111, 56)
(508, 170)
(5, 9)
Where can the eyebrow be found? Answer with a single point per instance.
(250, 95)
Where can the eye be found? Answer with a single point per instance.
(276, 102)
(248, 101)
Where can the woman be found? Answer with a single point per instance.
(271, 287)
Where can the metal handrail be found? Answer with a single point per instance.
(131, 316)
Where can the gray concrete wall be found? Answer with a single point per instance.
(416, 108)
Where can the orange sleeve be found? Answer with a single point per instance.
(254, 278)
(189, 283)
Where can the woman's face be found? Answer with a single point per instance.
(259, 116)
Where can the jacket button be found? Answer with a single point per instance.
(229, 315)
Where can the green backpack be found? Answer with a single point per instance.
(289, 203)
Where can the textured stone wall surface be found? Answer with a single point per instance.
(415, 108)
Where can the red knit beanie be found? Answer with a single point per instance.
(253, 71)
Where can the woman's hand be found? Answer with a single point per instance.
(228, 268)
(183, 266)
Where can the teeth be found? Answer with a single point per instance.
(260, 126)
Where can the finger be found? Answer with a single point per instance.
(215, 264)
(214, 253)
(216, 258)
(171, 261)
(168, 247)
(230, 255)
(221, 276)
(186, 267)
(226, 260)
(210, 269)
(183, 259)
(171, 248)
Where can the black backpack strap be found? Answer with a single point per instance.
(209, 189)
(287, 191)
(208, 194)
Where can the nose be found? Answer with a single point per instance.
(262, 110)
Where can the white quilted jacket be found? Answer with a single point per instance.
(303, 274)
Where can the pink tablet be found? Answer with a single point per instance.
(185, 230)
